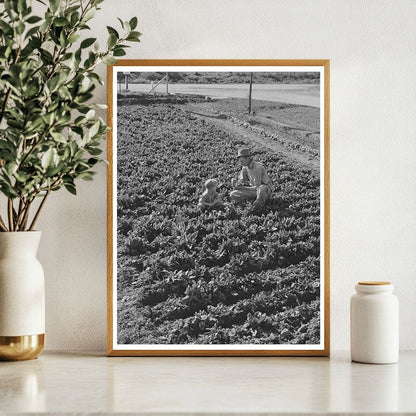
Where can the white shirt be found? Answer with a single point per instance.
(254, 174)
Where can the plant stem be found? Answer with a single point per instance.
(3, 108)
(2, 224)
(17, 217)
(20, 213)
(26, 216)
(10, 213)
(39, 209)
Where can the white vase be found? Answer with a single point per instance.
(374, 323)
(22, 296)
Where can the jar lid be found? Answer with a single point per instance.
(372, 287)
(374, 283)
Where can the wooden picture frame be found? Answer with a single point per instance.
(152, 299)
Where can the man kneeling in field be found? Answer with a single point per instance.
(253, 183)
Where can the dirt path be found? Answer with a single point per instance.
(245, 132)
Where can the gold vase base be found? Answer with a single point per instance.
(21, 348)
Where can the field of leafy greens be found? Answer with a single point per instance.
(218, 277)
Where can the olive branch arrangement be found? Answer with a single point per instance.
(49, 134)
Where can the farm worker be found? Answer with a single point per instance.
(253, 183)
(210, 197)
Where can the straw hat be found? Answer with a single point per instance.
(244, 152)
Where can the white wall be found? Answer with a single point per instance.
(372, 48)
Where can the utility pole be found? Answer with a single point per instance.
(126, 80)
(249, 93)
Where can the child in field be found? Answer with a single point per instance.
(210, 197)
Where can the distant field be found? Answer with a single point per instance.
(301, 94)
(227, 77)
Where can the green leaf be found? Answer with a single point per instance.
(119, 52)
(58, 137)
(77, 59)
(63, 119)
(112, 41)
(88, 16)
(16, 124)
(74, 18)
(87, 42)
(5, 28)
(90, 114)
(10, 7)
(86, 176)
(53, 83)
(80, 120)
(78, 154)
(71, 188)
(134, 37)
(7, 52)
(63, 41)
(94, 151)
(64, 93)
(78, 130)
(48, 118)
(52, 171)
(54, 4)
(110, 60)
(47, 158)
(21, 5)
(35, 125)
(92, 161)
(82, 98)
(123, 46)
(121, 22)
(96, 77)
(67, 153)
(46, 56)
(94, 129)
(31, 90)
(8, 190)
(11, 168)
(21, 177)
(61, 21)
(82, 165)
(33, 44)
(27, 11)
(20, 27)
(111, 30)
(73, 38)
(33, 19)
(67, 56)
(31, 31)
(6, 146)
(133, 23)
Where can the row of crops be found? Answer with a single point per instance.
(224, 276)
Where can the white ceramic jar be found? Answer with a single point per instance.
(22, 296)
(374, 323)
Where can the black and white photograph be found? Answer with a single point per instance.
(219, 209)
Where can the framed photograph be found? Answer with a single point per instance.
(218, 208)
